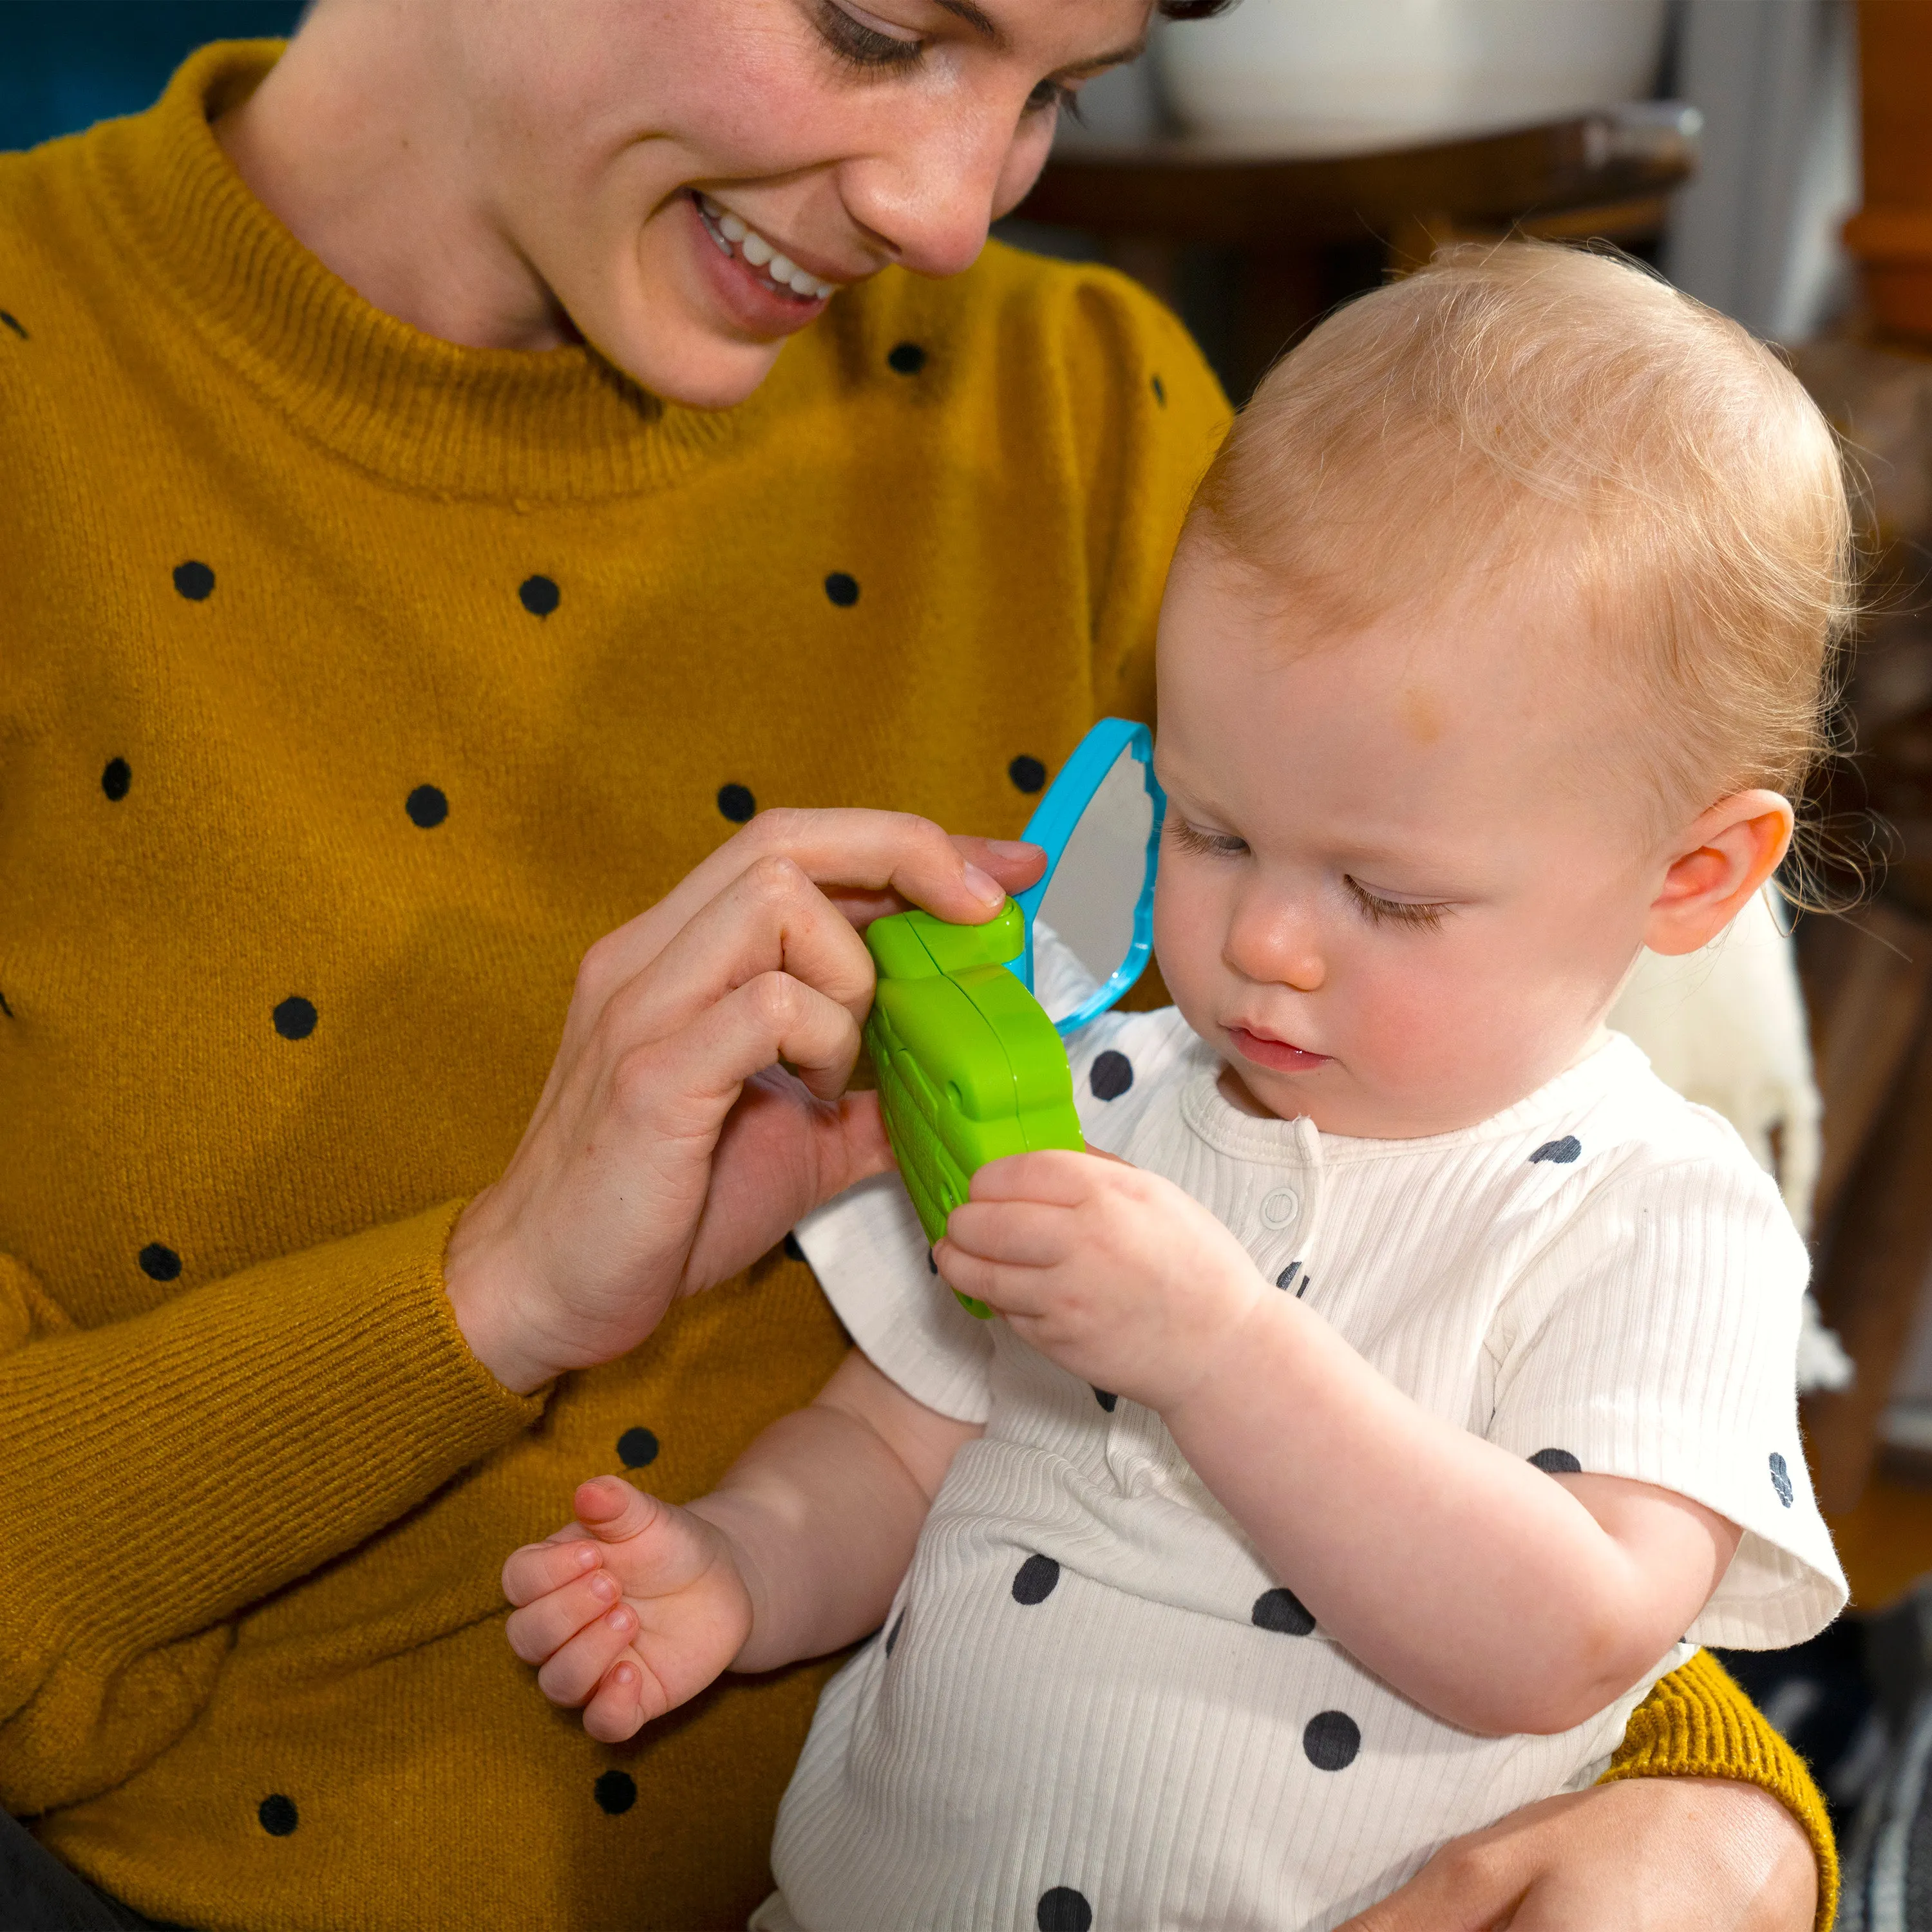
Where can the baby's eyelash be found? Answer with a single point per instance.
(1403, 912)
(1209, 845)
(863, 46)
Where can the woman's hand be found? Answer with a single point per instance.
(671, 1147)
(1642, 1855)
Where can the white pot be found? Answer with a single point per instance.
(1325, 76)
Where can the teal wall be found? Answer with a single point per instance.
(66, 64)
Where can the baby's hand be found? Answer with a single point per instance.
(629, 1612)
(1114, 1273)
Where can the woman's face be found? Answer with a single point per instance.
(654, 160)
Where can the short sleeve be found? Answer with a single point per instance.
(1656, 1338)
(869, 1253)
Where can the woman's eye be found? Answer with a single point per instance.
(1402, 912)
(1209, 845)
(852, 41)
(1054, 94)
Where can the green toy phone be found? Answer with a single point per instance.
(971, 1068)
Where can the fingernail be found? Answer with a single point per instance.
(619, 1619)
(1011, 848)
(604, 1587)
(984, 886)
(586, 1558)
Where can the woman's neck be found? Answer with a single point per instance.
(353, 145)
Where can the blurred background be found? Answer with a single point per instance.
(1773, 157)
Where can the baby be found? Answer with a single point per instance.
(1417, 1386)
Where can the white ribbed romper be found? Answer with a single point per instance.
(1091, 1704)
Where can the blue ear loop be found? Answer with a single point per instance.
(1052, 826)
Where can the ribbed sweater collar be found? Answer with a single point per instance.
(476, 423)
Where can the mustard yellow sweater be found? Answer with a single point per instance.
(350, 684)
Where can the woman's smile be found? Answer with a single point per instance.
(763, 286)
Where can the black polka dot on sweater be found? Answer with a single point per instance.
(1028, 773)
(278, 1815)
(1562, 1152)
(637, 1448)
(1063, 1909)
(1160, 392)
(295, 1018)
(194, 580)
(427, 807)
(796, 1253)
(842, 589)
(5, 1009)
(893, 1635)
(13, 323)
(1111, 1074)
(1035, 1579)
(159, 1264)
(1557, 1462)
(1331, 1738)
(906, 358)
(736, 803)
(1106, 1398)
(1283, 1610)
(616, 1791)
(116, 778)
(539, 595)
(1780, 1479)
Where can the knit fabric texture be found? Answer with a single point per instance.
(353, 683)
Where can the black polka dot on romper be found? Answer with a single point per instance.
(797, 1253)
(116, 778)
(1028, 773)
(1557, 1462)
(13, 323)
(427, 807)
(1286, 1277)
(842, 589)
(1111, 1074)
(1160, 392)
(906, 358)
(1562, 1152)
(931, 1266)
(616, 1791)
(1063, 1909)
(539, 595)
(1283, 1610)
(1780, 1478)
(278, 1815)
(893, 1635)
(736, 803)
(295, 1018)
(637, 1448)
(1106, 1398)
(1035, 1581)
(159, 1264)
(1331, 1739)
(194, 580)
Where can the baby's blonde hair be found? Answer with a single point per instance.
(1565, 417)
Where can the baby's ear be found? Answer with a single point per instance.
(1721, 860)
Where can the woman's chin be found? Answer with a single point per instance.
(684, 362)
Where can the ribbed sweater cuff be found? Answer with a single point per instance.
(158, 1473)
(1697, 1723)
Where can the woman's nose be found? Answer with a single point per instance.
(932, 196)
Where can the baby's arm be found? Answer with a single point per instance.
(1499, 1598)
(639, 1604)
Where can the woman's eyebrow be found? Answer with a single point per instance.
(983, 23)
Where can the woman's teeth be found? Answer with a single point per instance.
(730, 233)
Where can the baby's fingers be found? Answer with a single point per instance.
(538, 1568)
(1052, 1176)
(546, 1624)
(1023, 1233)
(576, 1668)
(615, 1710)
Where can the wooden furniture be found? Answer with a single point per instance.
(1607, 174)
(1892, 234)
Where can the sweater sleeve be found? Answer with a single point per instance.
(1697, 1723)
(157, 1474)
